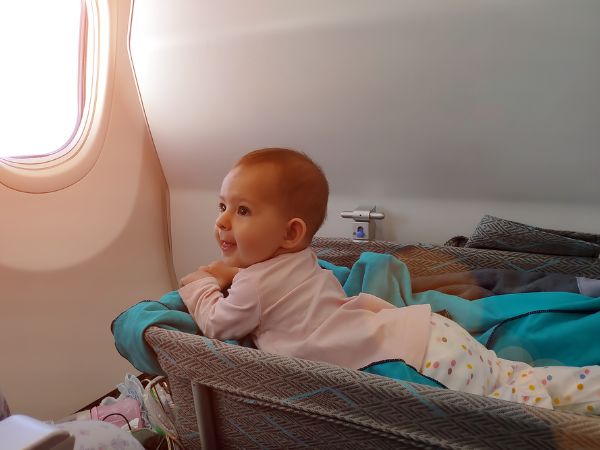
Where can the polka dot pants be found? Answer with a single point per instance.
(457, 360)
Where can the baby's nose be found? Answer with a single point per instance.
(222, 221)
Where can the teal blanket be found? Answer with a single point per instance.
(541, 328)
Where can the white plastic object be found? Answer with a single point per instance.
(26, 433)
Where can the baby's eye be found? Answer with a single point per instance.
(243, 211)
(222, 207)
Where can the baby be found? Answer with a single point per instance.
(271, 204)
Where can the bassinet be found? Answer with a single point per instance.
(229, 396)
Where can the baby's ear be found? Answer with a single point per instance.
(295, 233)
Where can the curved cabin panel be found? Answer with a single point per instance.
(72, 259)
(438, 112)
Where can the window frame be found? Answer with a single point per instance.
(67, 165)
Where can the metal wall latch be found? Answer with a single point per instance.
(362, 227)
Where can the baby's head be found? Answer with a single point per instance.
(273, 201)
(300, 185)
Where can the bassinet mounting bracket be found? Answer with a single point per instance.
(362, 227)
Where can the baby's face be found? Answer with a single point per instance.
(251, 226)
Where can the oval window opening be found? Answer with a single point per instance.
(43, 46)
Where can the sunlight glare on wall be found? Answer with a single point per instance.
(39, 80)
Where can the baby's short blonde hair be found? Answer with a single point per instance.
(301, 183)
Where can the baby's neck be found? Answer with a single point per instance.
(283, 251)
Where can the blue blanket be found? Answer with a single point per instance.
(545, 328)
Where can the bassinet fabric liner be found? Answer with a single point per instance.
(263, 400)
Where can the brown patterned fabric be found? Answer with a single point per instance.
(428, 259)
(261, 400)
(457, 241)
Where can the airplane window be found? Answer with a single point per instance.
(58, 62)
(41, 81)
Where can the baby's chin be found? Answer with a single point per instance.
(233, 261)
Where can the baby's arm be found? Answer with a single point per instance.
(222, 272)
(218, 269)
(219, 317)
(201, 272)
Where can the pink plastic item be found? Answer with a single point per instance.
(113, 413)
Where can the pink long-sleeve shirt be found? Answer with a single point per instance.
(290, 306)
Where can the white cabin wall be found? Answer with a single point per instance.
(72, 260)
(438, 112)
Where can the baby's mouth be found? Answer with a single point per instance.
(227, 246)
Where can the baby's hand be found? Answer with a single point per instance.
(201, 272)
(222, 272)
